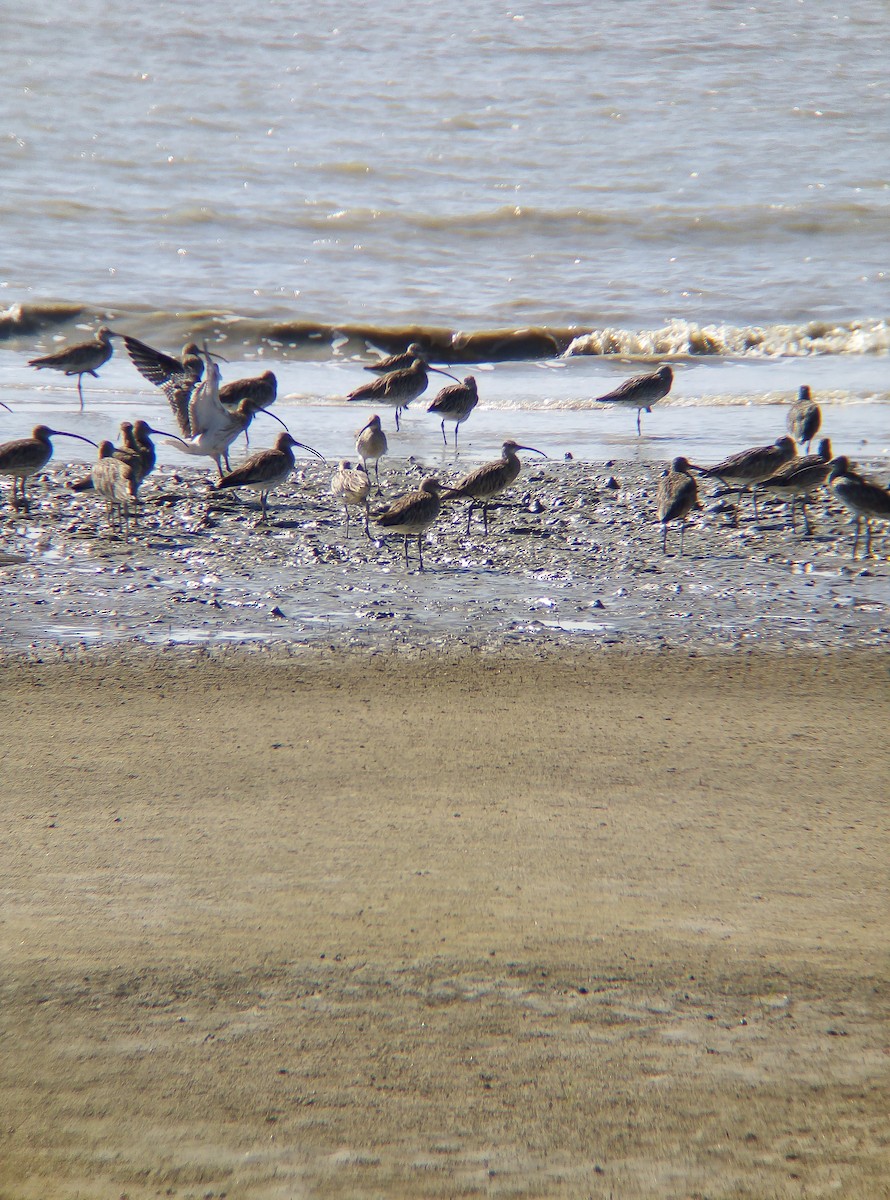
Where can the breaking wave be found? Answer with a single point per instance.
(278, 336)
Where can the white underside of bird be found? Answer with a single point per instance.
(212, 428)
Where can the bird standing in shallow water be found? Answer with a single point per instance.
(804, 417)
(351, 486)
(455, 403)
(26, 456)
(411, 515)
(489, 480)
(866, 501)
(676, 496)
(641, 391)
(262, 390)
(750, 467)
(370, 446)
(266, 469)
(83, 359)
(397, 387)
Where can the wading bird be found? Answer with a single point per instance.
(641, 392)
(804, 417)
(261, 390)
(370, 446)
(116, 480)
(489, 480)
(137, 448)
(455, 403)
(83, 359)
(352, 487)
(866, 501)
(26, 456)
(398, 388)
(164, 370)
(411, 515)
(266, 470)
(676, 496)
(748, 467)
(798, 477)
(397, 362)
(208, 427)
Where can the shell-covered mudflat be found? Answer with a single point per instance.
(573, 557)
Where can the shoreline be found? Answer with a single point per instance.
(363, 926)
(573, 561)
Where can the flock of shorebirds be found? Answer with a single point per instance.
(211, 416)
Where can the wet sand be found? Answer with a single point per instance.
(608, 924)
(573, 560)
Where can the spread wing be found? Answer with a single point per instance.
(155, 366)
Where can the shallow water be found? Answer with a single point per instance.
(487, 168)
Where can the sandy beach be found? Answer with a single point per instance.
(586, 924)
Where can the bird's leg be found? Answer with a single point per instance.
(397, 419)
(639, 429)
(346, 510)
(420, 548)
(226, 459)
(682, 535)
(407, 567)
(470, 515)
(806, 519)
(867, 538)
(377, 476)
(856, 538)
(485, 518)
(367, 519)
(80, 390)
(457, 426)
(738, 505)
(444, 435)
(664, 538)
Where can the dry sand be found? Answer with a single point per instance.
(609, 926)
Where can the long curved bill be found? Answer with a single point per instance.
(6, 406)
(311, 449)
(79, 436)
(533, 450)
(265, 412)
(164, 433)
(438, 371)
